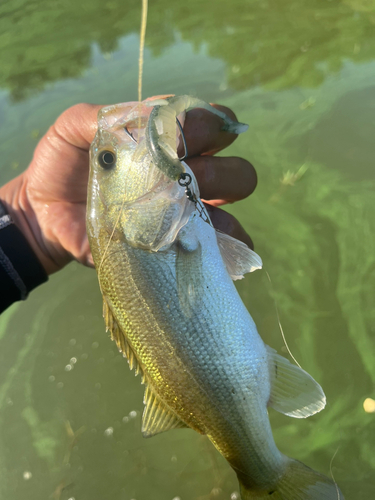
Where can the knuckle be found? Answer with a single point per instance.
(75, 114)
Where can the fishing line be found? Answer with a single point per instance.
(109, 242)
(279, 322)
(142, 37)
(333, 479)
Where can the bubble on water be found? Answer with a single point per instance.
(71, 498)
(215, 492)
(84, 355)
(369, 405)
(235, 496)
(68, 368)
(95, 345)
(133, 414)
(176, 498)
(98, 385)
(9, 402)
(72, 342)
(109, 432)
(59, 385)
(73, 361)
(125, 420)
(173, 458)
(51, 378)
(27, 475)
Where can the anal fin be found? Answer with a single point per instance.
(293, 391)
(157, 417)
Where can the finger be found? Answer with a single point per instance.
(78, 124)
(228, 224)
(155, 97)
(67, 143)
(203, 134)
(229, 179)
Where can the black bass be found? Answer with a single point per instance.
(173, 310)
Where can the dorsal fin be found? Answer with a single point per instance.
(157, 417)
(293, 391)
(237, 256)
(121, 342)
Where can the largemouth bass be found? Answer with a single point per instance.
(171, 306)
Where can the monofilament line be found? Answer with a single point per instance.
(333, 479)
(142, 46)
(109, 242)
(281, 328)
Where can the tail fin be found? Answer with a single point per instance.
(299, 482)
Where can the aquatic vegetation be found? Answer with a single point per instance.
(316, 240)
(301, 43)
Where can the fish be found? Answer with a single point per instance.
(170, 304)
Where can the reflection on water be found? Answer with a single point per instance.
(301, 74)
(282, 44)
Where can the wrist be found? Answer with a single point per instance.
(14, 197)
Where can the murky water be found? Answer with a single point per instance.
(301, 74)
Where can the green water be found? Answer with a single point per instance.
(301, 73)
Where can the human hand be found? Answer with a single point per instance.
(48, 201)
(221, 180)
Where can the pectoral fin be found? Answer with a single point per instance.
(157, 417)
(188, 271)
(237, 256)
(293, 391)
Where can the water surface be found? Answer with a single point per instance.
(301, 74)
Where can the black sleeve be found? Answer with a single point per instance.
(20, 269)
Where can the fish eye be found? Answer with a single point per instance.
(107, 159)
